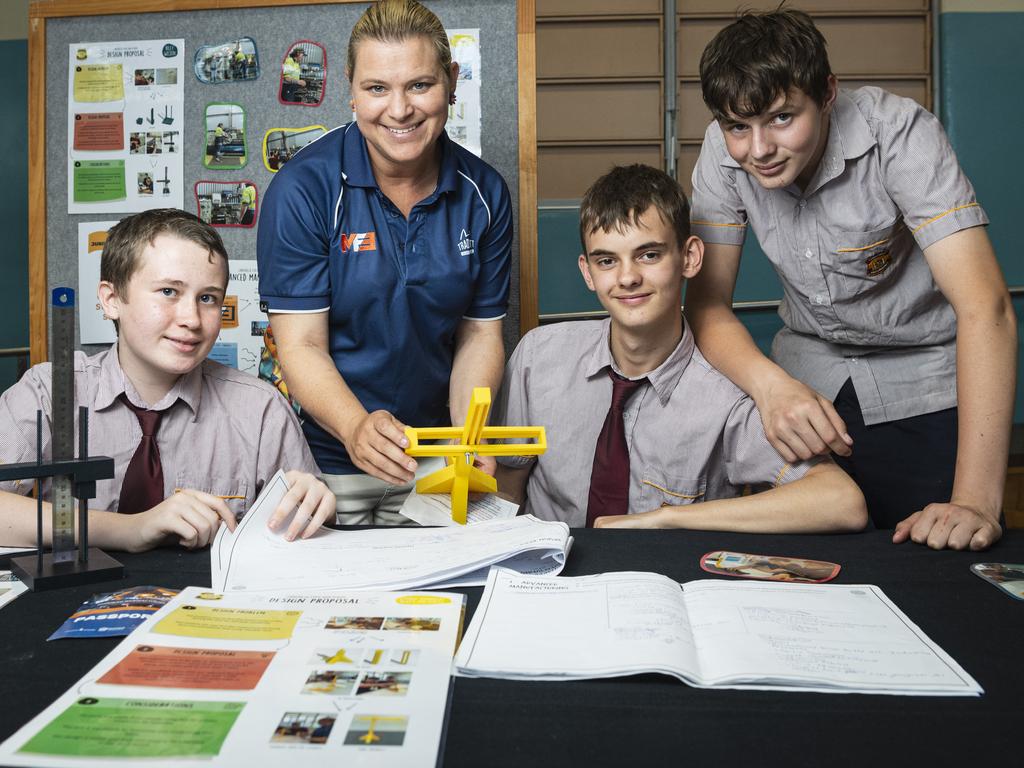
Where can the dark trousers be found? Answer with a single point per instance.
(901, 466)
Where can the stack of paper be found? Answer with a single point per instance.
(255, 559)
(293, 679)
(815, 637)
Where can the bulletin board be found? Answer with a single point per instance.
(508, 114)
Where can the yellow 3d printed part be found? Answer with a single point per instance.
(460, 476)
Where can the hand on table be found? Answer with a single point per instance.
(949, 526)
(191, 516)
(314, 502)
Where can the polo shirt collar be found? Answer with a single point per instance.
(849, 137)
(359, 170)
(113, 383)
(663, 379)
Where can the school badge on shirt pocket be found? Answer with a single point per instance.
(877, 263)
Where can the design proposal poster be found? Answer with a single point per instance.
(464, 116)
(242, 324)
(126, 105)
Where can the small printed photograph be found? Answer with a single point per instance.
(227, 62)
(413, 624)
(137, 143)
(363, 623)
(227, 203)
(1009, 577)
(303, 728)
(457, 133)
(167, 76)
(145, 183)
(259, 328)
(375, 684)
(331, 682)
(384, 657)
(225, 137)
(145, 77)
(768, 567)
(377, 730)
(303, 74)
(340, 657)
(281, 144)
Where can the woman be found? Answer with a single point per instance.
(384, 257)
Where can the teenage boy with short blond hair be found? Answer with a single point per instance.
(691, 440)
(220, 434)
(898, 351)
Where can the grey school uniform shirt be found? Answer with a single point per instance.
(223, 432)
(859, 299)
(692, 434)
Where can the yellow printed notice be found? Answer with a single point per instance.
(99, 82)
(229, 623)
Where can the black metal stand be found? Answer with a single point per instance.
(43, 571)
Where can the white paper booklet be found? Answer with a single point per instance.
(255, 559)
(708, 633)
(251, 680)
(10, 587)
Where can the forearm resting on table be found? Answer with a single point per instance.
(108, 530)
(825, 500)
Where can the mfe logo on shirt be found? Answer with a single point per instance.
(466, 244)
(359, 241)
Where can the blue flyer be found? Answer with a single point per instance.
(114, 614)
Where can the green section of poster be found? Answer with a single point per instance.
(113, 728)
(98, 181)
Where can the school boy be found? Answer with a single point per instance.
(193, 441)
(895, 309)
(679, 441)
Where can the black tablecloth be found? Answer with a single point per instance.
(654, 719)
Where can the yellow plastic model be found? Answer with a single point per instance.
(460, 476)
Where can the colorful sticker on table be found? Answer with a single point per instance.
(204, 668)
(114, 614)
(228, 623)
(136, 728)
(228, 62)
(281, 144)
(1009, 577)
(227, 203)
(303, 74)
(769, 567)
(225, 144)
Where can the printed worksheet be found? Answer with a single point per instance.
(708, 633)
(126, 109)
(288, 679)
(255, 559)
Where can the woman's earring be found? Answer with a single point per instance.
(451, 99)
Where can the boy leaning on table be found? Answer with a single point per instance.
(899, 340)
(685, 441)
(219, 434)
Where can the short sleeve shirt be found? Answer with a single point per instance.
(395, 289)
(223, 432)
(249, 195)
(692, 434)
(859, 299)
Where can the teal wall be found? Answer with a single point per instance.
(14, 204)
(981, 106)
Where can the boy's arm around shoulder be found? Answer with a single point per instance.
(824, 500)
(965, 269)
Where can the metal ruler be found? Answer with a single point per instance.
(62, 344)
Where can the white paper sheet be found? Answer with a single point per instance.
(271, 671)
(823, 637)
(10, 585)
(255, 559)
(436, 508)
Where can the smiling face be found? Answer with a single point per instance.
(784, 144)
(638, 273)
(400, 96)
(169, 315)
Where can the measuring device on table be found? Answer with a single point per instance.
(73, 478)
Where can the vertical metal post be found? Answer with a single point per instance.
(671, 80)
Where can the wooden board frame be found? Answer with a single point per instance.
(41, 10)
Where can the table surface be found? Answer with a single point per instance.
(654, 718)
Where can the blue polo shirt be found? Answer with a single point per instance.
(395, 288)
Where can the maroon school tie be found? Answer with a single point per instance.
(143, 485)
(609, 479)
